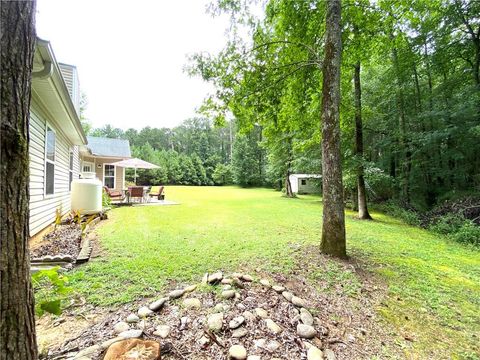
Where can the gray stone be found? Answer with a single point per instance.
(157, 305)
(260, 343)
(241, 307)
(273, 346)
(306, 331)
(220, 308)
(248, 316)
(227, 281)
(236, 322)
(144, 312)
(330, 355)
(227, 287)
(273, 327)
(162, 330)
(240, 332)
(120, 327)
(130, 334)
(88, 351)
(203, 341)
(205, 278)
(237, 352)
(192, 303)
(142, 324)
(314, 353)
(287, 295)
(306, 317)
(215, 321)
(298, 301)
(261, 313)
(190, 288)
(265, 282)
(228, 294)
(215, 277)
(175, 294)
(106, 344)
(279, 289)
(132, 318)
(246, 277)
(237, 275)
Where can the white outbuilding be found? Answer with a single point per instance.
(305, 183)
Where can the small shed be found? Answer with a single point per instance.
(305, 183)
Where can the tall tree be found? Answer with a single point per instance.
(363, 213)
(333, 230)
(17, 319)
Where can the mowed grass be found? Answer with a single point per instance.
(433, 284)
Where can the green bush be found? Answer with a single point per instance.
(447, 224)
(395, 210)
(469, 233)
(51, 289)
(106, 201)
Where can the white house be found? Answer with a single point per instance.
(305, 183)
(55, 137)
(58, 146)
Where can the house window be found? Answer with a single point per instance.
(70, 171)
(304, 182)
(50, 138)
(87, 167)
(109, 176)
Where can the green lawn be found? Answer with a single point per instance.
(433, 284)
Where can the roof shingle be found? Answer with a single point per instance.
(101, 146)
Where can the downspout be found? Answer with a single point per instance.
(45, 73)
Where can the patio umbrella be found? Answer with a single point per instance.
(136, 164)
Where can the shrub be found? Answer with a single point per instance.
(468, 233)
(447, 224)
(50, 291)
(106, 201)
(408, 216)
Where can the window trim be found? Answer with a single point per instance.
(92, 166)
(114, 175)
(46, 160)
(71, 161)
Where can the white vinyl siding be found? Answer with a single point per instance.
(42, 206)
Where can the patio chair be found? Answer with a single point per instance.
(114, 194)
(137, 192)
(157, 191)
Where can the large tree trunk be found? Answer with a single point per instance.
(363, 213)
(333, 231)
(17, 318)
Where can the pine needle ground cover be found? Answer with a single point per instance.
(432, 298)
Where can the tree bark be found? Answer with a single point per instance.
(333, 231)
(363, 213)
(17, 318)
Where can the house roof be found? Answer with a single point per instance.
(306, 176)
(117, 148)
(50, 91)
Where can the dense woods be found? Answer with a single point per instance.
(409, 112)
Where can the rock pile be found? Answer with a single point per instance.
(235, 317)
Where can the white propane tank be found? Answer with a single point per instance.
(86, 194)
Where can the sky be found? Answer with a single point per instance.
(130, 55)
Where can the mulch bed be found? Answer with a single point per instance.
(64, 240)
